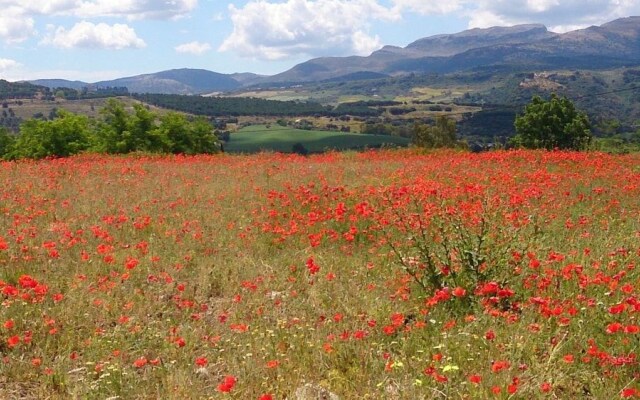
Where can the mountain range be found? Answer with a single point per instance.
(522, 47)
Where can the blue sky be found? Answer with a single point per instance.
(94, 40)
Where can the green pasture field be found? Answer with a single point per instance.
(258, 138)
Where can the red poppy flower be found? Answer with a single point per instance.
(227, 384)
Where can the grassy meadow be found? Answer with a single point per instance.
(374, 275)
(256, 138)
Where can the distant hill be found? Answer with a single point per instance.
(246, 78)
(450, 45)
(60, 83)
(498, 50)
(518, 47)
(175, 81)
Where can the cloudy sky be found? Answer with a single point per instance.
(92, 40)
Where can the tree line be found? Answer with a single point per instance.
(237, 106)
(118, 131)
(87, 93)
(232, 106)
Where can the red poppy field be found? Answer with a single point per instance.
(379, 275)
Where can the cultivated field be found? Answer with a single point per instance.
(377, 275)
(255, 138)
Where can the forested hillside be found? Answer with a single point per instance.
(238, 106)
(231, 106)
(22, 90)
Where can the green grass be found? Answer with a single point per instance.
(257, 138)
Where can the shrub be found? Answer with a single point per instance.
(66, 135)
(462, 245)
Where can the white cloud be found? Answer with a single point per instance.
(94, 36)
(17, 17)
(486, 19)
(43, 6)
(365, 44)
(196, 48)
(7, 64)
(130, 9)
(10, 70)
(304, 27)
(136, 9)
(15, 26)
(218, 17)
(427, 7)
(541, 5)
(558, 15)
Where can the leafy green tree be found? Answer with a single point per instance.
(203, 137)
(112, 133)
(175, 128)
(143, 135)
(66, 135)
(188, 137)
(121, 132)
(552, 124)
(6, 142)
(440, 135)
